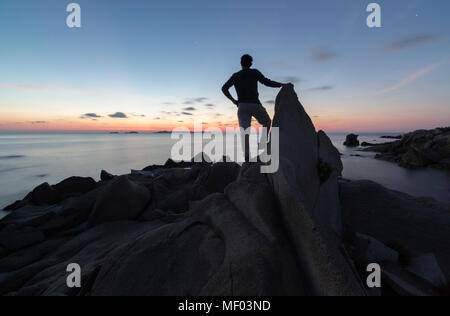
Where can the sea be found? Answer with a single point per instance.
(27, 160)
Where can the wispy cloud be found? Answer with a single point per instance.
(190, 109)
(118, 115)
(321, 88)
(187, 113)
(322, 54)
(409, 42)
(292, 79)
(409, 79)
(210, 105)
(190, 101)
(24, 87)
(270, 102)
(137, 115)
(38, 122)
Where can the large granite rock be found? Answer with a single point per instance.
(309, 209)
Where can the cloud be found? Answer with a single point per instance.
(409, 42)
(118, 115)
(195, 100)
(90, 115)
(24, 87)
(292, 79)
(321, 88)
(409, 79)
(270, 102)
(180, 121)
(190, 109)
(137, 115)
(322, 54)
(168, 103)
(38, 122)
(187, 113)
(210, 105)
(157, 118)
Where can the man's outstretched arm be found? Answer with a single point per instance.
(226, 90)
(269, 83)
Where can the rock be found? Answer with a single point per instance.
(413, 159)
(419, 149)
(351, 140)
(220, 175)
(392, 137)
(74, 186)
(427, 267)
(3, 252)
(374, 251)
(30, 215)
(327, 212)
(106, 176)
(395, 218)
(18, 204)
(121, 199)
(297, 188)
(226, 248)
(15, 237)
(404, 284)
(28, 256)
(366, 144)
(45, 194)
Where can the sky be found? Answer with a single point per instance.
(155, 65)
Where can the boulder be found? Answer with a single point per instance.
(45, 194)
(373, 251)
(74, 186)
(427, 267)
(15, 237)
(121, 199)
(351, 140)
(396, 219)
(220, 175)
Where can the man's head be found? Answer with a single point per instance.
(246, 61)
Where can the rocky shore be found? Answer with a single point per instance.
(225, 229)
(419, 149)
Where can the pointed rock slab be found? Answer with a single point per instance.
(298, 147)
(303, 202)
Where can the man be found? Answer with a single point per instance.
(246, 85)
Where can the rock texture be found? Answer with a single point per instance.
(422, 148)
(200, 228)
(407, 226)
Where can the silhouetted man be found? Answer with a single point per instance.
(246, 85)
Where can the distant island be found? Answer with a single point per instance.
(131, 132)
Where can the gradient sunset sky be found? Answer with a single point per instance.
(154, 65)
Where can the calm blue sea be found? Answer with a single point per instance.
(27, 160)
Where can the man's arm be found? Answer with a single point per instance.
(268, 82)
(226, 90)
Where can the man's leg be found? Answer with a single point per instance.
(263, 118)
(245, 120)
